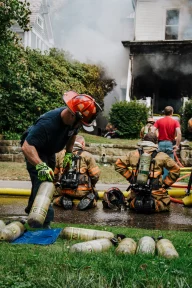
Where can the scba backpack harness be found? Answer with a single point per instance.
(72, 178)
(142, 187)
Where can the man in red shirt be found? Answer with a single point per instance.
(168, 129)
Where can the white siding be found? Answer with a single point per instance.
(149, 21)
(151, 18)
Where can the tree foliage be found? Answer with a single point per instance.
(12, 64)
(11, 12)
(128, 118)
(32, 83)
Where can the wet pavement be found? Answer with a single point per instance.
(179, 217)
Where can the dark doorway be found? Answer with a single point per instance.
(165, 78)
(169, 95)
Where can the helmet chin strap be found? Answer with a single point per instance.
(78, 117)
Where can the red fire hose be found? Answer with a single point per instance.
(177, 159)
(176, 200)
(184, 176)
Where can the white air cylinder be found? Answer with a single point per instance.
(126, 246)
(2, 224)
(12, 231)
(146, 245)
(98, 245)
(41, 204)
(84, 234)
(166, 249)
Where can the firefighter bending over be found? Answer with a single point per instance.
(143, 168)
(79, 181)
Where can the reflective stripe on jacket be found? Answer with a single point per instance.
(89, 174)
(127, 165)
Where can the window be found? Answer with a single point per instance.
(40, 21)
(172, 24)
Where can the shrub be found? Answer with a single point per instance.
(128, 118)
(33, 84)
(11, 136)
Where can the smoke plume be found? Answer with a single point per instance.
(92, 31)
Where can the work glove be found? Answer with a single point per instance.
(45, 173)
(67, 161)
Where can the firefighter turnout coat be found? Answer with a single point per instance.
(127, 167)
(88, 177)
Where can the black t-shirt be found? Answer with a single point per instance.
(49, 134)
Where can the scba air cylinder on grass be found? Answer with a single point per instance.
(84, 234)
(126, 246)
(41, 205)
(2, 224)
(98, 245)
(166, 249)
(12, 231)
(146, 245)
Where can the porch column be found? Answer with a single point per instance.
(129, 79)
(25, 39)
(29, 39)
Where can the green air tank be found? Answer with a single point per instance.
(98, 245)
(126, 246)
(166, 249)
(146, 245)
(41, 204)
(84, 234)
(144, 168)
(12, 231)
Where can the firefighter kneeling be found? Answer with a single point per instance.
(77, 182)
(143, 168)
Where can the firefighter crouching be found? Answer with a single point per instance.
(79, 181)
(148, 190)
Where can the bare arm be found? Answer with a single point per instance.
(178, 140)
(70, 143)
(30, 153)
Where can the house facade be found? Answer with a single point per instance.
(160, 53)
(40, 36)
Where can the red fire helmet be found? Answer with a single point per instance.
(84, 105)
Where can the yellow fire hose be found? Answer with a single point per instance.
(27, 192)
(15, 191)
(174, 192)
(185, 168)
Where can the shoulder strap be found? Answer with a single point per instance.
(154, 154)
(79, 152)
(140, 150)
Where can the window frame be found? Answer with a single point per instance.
(42, 21)
(178, 25)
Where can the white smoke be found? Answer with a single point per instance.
(92, 31)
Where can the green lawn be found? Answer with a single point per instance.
(101, 140)
(17, 171)
(34, 266)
